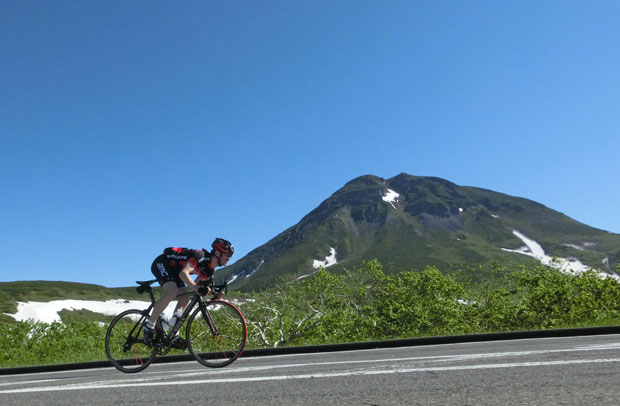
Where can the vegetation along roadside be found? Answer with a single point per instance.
(363, 304)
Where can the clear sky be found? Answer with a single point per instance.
(130, 126)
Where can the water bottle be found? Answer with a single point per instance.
(165, 325)
(173, 321)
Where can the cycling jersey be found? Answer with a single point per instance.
(168, 265)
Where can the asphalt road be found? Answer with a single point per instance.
(549, 371)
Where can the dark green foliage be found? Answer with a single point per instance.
(30, 343)
(367, 304)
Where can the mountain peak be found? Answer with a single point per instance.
(363, 182)
(409, 222)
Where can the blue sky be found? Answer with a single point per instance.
(128, 127)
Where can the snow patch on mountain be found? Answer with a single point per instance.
(328, 261)
(306, 275)
(587, 246)
(234, 278)
(246, 274)
(391, 197)
(534, 249)
(575, 246)
(262, 261)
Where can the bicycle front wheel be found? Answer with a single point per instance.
(124, 342)
(217, 337)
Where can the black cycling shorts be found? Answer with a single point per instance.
(164, 273)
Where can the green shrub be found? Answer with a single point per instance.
(30, 343)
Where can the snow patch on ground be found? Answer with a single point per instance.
(391, 197)
(328, 261)
(533, 249)
(47, 312)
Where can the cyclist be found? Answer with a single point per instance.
(173, 269)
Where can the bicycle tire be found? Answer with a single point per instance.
(124, 342)
(216, 350)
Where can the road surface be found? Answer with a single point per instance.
(550, 371)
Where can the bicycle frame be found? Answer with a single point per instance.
(188, 309)
(196, 299)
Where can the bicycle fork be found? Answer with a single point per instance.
(209, 319)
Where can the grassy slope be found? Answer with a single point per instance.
(45, 291)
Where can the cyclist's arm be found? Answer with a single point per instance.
(184, 275)
(201, 277)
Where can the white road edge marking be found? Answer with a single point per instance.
(25, 382)
(313, 376)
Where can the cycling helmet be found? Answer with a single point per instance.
(223, 245)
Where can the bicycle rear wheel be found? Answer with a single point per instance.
(124, 342)
(219, 343)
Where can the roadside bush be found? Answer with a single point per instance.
(35, 343)
(366, 304)
(551, 299)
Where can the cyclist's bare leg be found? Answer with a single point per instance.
(170, 293)
(183, 300)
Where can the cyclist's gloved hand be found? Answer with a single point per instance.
(203, 290)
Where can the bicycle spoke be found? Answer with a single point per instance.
(223, 342)
(125, 345)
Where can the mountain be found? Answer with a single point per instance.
(408, 222)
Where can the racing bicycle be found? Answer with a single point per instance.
(215, 332)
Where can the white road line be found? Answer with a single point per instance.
(312, 376)
(25, 382)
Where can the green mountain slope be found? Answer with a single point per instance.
(431, 222)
